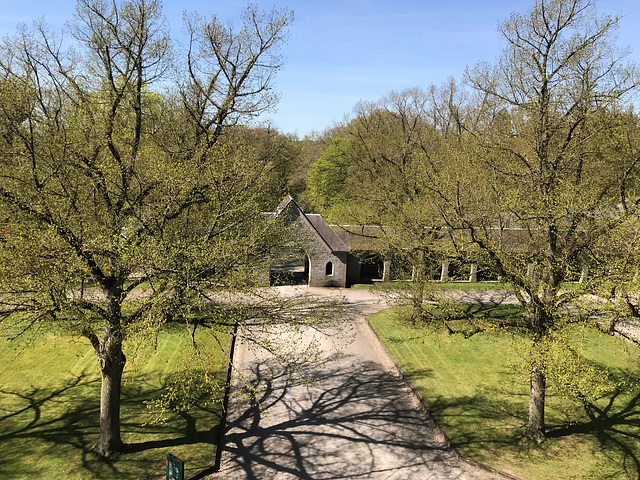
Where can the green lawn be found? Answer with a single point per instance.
(471, 286)
(49, 411)
(482, 403)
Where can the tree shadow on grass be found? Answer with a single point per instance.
(616, 426)
(355, 420)
(487, 421)
(493, 420)
(41, 427)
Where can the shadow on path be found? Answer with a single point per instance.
(353, 421)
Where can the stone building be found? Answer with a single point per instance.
(324, 255)
(327, 255)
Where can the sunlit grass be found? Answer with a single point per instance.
(438, 285)
(482, 403)
(49, 410)
(454, 285)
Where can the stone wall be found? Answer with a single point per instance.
(318, 276)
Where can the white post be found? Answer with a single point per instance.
(473, 275)
(530, 271)
(386, 270)
(584, 275)
(444, 273)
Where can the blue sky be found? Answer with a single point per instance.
(344, 51)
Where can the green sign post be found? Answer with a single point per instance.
(175, 468)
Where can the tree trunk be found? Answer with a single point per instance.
(112, 361)
(535, 428)
(111, 369)
(539, 320)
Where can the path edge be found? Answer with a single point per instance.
(225, 402)
(498, 474)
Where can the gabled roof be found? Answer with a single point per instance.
(327, 234)
(316, 222)
(283, 204)
(361, 237)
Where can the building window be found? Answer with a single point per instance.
(329, 269)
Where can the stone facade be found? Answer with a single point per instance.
(327, 255)
(336, 256)
(342, 255)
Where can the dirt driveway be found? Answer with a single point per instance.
(358, 419)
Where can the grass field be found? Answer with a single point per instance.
(439, 285)
(482, 403)
(49, 411)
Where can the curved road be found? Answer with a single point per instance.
(357, 420)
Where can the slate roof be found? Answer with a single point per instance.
(328, 235)
(316, 222)
(370, 238)
(283, 204)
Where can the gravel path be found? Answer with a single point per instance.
(358, 420)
